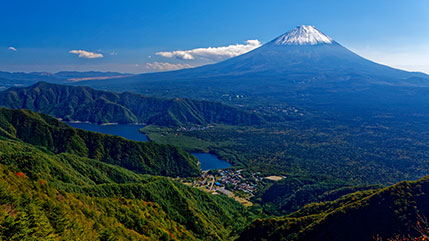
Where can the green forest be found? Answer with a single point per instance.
(52, 193)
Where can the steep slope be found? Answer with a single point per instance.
(86, 104)
(359, 216)
(58, 137)
(46, 195)
(32, 210)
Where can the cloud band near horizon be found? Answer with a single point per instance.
(212, 53)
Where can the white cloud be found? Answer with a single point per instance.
(86, 54)
(213, 53)
(162, 66)
(12, 48)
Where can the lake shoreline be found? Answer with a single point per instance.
(207, 160)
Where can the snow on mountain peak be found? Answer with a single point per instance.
(303, 35)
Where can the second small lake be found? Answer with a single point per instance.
(210, 161)
(130, 132)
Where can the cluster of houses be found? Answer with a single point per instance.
(228, 179)
(236, 179)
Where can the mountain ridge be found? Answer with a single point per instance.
(86, 104)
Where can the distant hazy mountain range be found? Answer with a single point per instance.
(8, 79)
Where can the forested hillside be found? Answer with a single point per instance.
(58, 137)
(86, 104)
(360, 216)
(35, 210)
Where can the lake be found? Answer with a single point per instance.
(130, 132)
(210, 161)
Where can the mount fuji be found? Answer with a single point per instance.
(303, 59)
(303, 50)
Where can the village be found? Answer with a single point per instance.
(232, 183)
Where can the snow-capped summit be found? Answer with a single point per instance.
(303, 35)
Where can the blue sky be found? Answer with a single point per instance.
(40, 35)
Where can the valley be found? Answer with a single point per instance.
(263, 150)
(220, 183)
